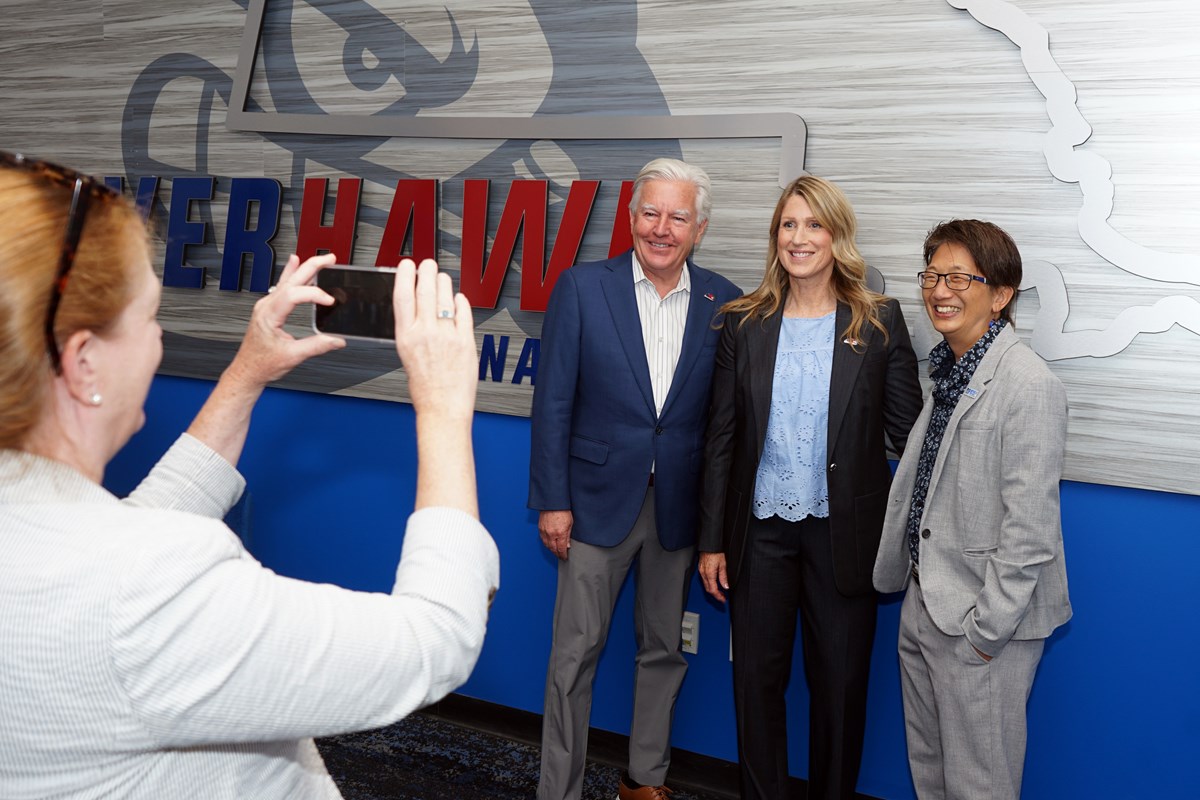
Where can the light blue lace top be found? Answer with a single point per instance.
(791, 473)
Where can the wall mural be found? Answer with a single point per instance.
(331, 83)
(336, 118)
(501, 140)
(1093, 173)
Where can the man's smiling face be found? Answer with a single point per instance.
(665, 226)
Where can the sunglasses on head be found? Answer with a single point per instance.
(84, 189)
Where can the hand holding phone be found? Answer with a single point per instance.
(268, 351)
(435, 341)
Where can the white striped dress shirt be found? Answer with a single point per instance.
(145, 654)
(663, 320)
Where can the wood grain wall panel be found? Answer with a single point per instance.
(918, 110)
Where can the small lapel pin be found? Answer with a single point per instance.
(851, 342)
(710, 296)
(971, 392)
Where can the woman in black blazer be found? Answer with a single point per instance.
(812, 370)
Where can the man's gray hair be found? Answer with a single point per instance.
(672, 169)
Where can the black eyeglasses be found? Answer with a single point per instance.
(958, 281)
(84, 188)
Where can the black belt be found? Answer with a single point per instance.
(916, 575)
(651, 483)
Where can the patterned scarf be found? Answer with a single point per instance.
(950, 380)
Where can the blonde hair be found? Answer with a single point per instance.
(832, 209)
(33, 223)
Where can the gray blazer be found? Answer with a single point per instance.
(991, 544)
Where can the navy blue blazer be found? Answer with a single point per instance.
(595, 433)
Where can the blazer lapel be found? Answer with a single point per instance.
(844, 372)
(970, 396)
(762, 346)
(618, 291)
(702, 307)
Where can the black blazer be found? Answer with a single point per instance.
(871, 392)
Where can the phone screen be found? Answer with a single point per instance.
(363, 302)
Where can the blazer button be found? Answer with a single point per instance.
(832, 467)
(925, 533)
(658, 431)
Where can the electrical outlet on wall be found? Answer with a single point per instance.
(691, 632)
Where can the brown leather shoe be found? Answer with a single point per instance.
(642, 793)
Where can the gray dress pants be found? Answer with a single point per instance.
(588, 583)
(964, 717)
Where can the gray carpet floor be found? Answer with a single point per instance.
(424, 758)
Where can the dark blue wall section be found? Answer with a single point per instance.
(1115, 712)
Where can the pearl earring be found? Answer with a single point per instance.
(95, 398)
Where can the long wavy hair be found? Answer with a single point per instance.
(833, 210)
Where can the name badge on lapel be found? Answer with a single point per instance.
(971, 392)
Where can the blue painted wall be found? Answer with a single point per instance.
(1115, 711)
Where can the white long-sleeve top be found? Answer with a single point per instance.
(145, 654)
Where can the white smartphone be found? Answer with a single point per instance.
(363, 302)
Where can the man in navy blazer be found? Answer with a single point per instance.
(619, 415)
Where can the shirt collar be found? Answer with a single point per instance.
(685, 277)
(26, 478)
(943, 367)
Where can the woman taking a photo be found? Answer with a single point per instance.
(812, 371)
(973, 527)
(144, 652)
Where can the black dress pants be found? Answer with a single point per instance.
(788, 568)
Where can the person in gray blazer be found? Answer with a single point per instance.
(972, 527)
